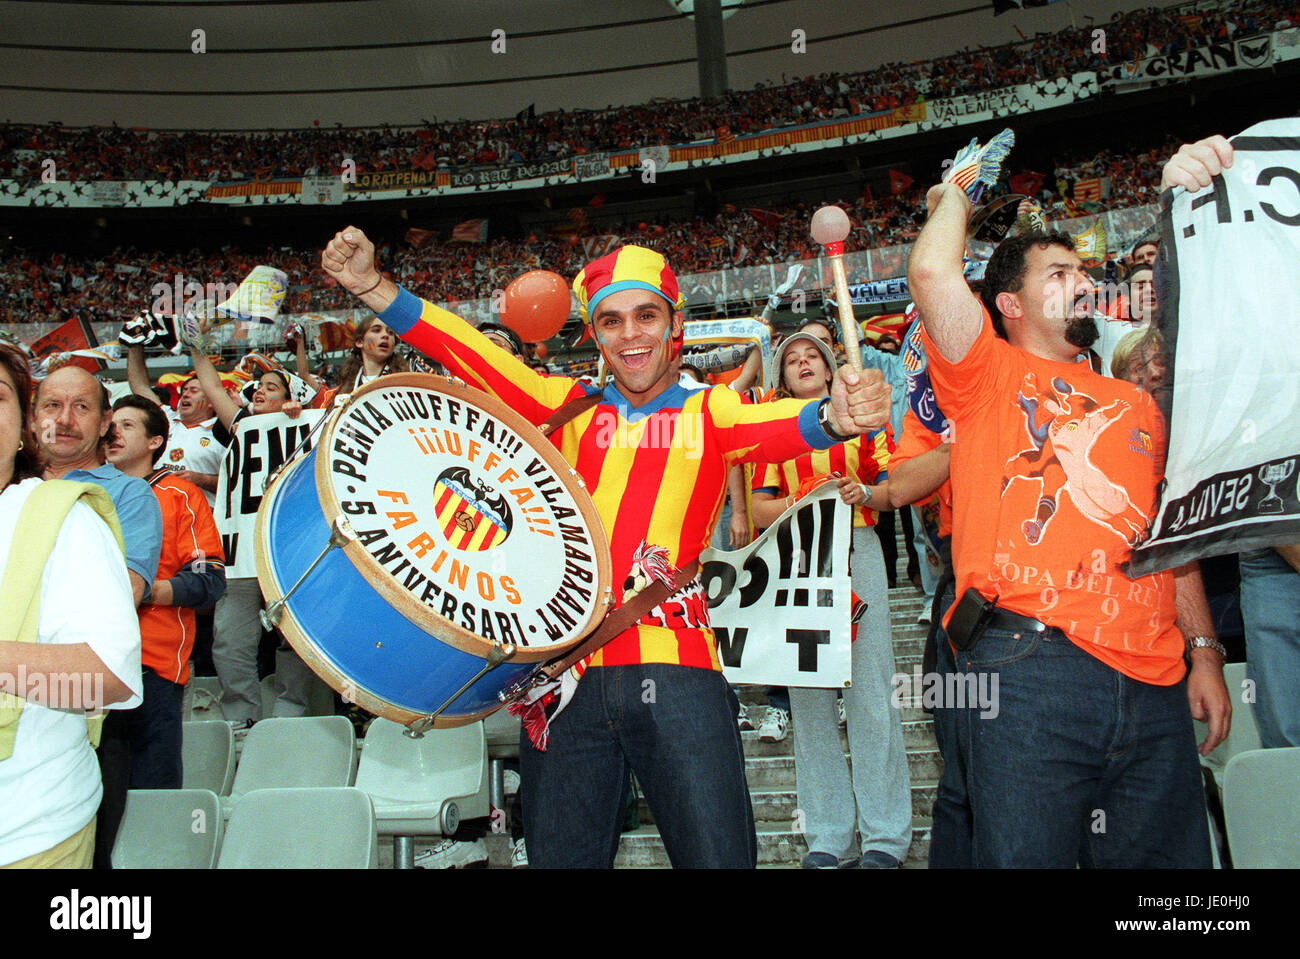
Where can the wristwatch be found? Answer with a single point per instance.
(1207, 642)
(866, 493)
(824, 421)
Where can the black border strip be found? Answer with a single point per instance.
(1266, 143)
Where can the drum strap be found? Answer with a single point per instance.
(622, 619)
(568, 411)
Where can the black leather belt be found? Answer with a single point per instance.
(1005, 619)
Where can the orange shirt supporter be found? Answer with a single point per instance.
(1056, 470)
(189, 535)
(846, 459)
(918, 439)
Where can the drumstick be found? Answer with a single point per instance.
(830, 227)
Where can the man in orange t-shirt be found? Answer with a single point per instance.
(191, 575)
(1086, 754)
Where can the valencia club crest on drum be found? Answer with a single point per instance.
(473, 516)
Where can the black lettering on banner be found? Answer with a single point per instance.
(467, 616)
(413, 579)
(431, 590)
(563, 595)
(471, 415)
(453, 411)
(357, 419)
(729, 651)
(804, 518)
(347, 469)
(448, 610)
(1266, 177)
(719, 573)
(230, 547)
(575, 534)
(251, 467)
(808, 640)
(435, 407)
(381, 422)
(560, 613)
(417, 404)
(1219, 196)
(361, 456)
(826, 539)
(785, 547)
(232, 463)
(489, 430)
(582, 591)
(552, 631)
(386, 555)
(357, 507)
(368, 536)
(756, 567)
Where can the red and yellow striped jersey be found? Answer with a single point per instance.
(783, 479)
(656, 473)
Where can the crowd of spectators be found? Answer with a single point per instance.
(116, 153)
(113, 285)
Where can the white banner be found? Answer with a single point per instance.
(260, 445)
(591, 165)
(1231, 251)
(780, 606)
(659, 156)
(322, 190)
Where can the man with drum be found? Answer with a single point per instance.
(653, 698)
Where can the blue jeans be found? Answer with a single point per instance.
(675, 728)
(950, 830)
(1080, 764)
(1270, 600)
(155, 731)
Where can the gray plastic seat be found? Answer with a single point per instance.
(423, 786)
(1261, 806)
(305, 752)
(208, 756)
(168, 829)
(324, 828)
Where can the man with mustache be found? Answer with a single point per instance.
(71, 419)
(1091, 758)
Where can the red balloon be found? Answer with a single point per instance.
(536, 305)
(541, 351)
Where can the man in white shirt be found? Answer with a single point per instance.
(192, 450)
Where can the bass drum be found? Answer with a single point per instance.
(430, 551)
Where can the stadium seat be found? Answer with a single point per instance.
(208, 756)
(1261, 800)
(168, 829)
(502, 732)
(202, 699)
(423, 786)
(302, 829)
(295, 753)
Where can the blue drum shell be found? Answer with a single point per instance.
(344, 621)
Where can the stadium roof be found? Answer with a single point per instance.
(289, 63)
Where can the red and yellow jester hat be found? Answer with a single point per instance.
(627, 268)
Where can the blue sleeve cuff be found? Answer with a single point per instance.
(811, 430)
(403, 313)
(769, 490)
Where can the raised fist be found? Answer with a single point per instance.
(350, 259)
